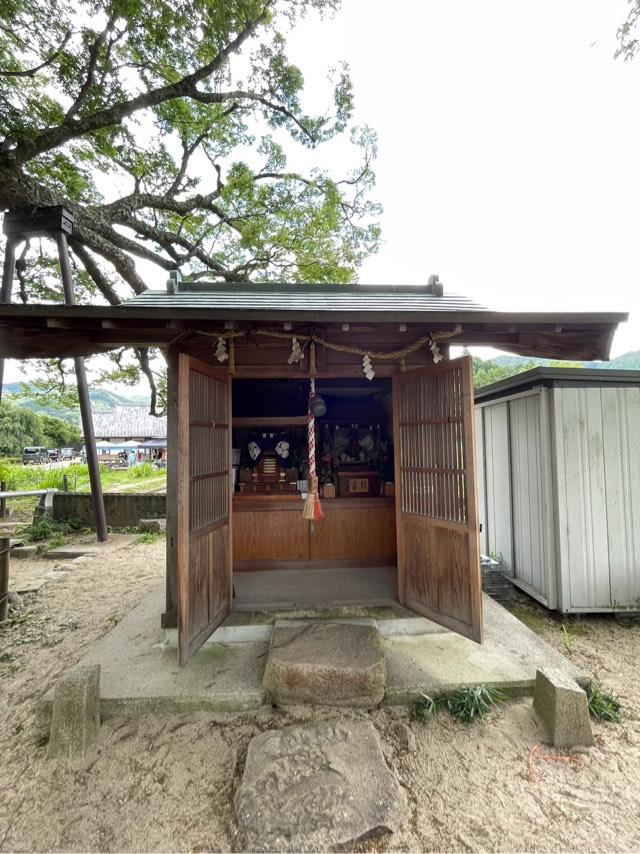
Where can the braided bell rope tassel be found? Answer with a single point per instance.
(312, 509)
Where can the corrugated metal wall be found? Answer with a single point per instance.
(560, 470)
(597, 451)
(528, 508)
(516, 458)
(498, 483)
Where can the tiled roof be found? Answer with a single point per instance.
(129, 422)
(304, 298)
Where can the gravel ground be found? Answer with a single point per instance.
(167, 783)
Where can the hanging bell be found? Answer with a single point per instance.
(318, 406)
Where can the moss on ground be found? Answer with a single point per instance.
(531, 617)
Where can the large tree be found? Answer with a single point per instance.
(628, 35)
(163, 126)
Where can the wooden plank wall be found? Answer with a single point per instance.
(266, 534)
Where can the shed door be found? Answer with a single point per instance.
(437, 525)
(204, 490)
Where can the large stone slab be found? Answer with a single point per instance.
(152, 526)
(24, 552)
(70, 552)
(318, 788)
(325, 663)
(76, 713)
(562, 707)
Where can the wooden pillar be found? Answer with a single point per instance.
(57, 222)
(7, 286)
(83, 398)
(169, 618)
(5, 545)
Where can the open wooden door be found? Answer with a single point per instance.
(436, 518)
(205, 583)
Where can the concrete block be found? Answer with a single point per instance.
(24, 552)
(327, 664)
(152, 526)
(562, 706)
(75, 719)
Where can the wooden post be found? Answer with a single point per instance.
(5, 545)
(83, 397)
(3, 501)
(7, 286)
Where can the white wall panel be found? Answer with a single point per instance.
(562, 493)
(582, 501)
(498, 482)
(530, 564)
(480, 477)
(621, 447)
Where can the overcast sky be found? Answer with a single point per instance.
(508, 146)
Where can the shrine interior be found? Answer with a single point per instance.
(355, 538)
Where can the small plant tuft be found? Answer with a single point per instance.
(148, 538)
(602, 704)
(57, 540)
(469, 704)
(141, 470)
(567, 640)
(466, 704)
(38, 531)
(427, 707)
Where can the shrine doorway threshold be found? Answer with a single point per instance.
(316, 588)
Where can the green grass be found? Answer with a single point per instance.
(19, 477)
(567, 640)
(465, 704)
(469, 704)
(57, 540)
(427, 707)
(51, 530)
(602, 704)
(148, 538)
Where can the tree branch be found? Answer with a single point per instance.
(142, 355)
(88, 262)
(72, 128)
(94, 53)
(31, 72)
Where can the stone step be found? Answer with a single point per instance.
(70, 552)
(326, 663)
(257, 627)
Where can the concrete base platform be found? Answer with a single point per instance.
(315, 588)
(442, 660)
(140, 672)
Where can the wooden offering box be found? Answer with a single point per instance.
(358, 483)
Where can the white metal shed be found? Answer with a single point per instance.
(558, 457)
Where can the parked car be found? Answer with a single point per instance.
(53, 454)
(67, 454)
(34, 455)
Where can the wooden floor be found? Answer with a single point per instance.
(305, 588)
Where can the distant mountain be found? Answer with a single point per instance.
(102, 400)
(627, 362)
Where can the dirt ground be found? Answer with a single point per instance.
(167, 783)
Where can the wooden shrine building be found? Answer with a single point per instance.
(393, 428)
